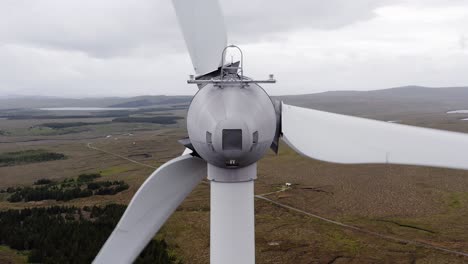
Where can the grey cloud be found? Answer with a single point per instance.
(101, 28)
(256, 19)
(130, 47)
(108, 28)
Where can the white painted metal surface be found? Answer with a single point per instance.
(202, 25)
(345, 139)
(153, 203)
(232, 222)
(186, 151)
(214, 109)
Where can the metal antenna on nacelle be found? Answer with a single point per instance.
(232, 69)
(229, 73)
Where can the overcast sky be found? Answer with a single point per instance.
(133, 47)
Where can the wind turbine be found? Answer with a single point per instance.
(231, 123)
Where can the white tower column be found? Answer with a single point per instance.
(232, 223)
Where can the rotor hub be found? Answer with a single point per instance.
(232, 126)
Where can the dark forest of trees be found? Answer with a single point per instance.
(83, 186)
(28, 156)
(70, 124)
(154, 120)
(69, 234)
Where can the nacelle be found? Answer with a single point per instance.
(231, 126)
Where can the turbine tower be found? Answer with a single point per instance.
(231, 123)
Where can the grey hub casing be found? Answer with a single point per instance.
(231, 126)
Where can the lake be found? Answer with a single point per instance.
(458, 112)
(86, 109)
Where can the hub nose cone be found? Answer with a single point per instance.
(231, 127)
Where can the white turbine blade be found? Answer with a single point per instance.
(204, 32)
(186, 151)
(151, 206)
(345, 139)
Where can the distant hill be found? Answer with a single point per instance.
(38, 102)
(43, 102)
(408, 99)
(154, 100)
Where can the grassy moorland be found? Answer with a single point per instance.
(83, 183)
(416, 205)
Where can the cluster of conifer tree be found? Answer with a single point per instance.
(69, 234)
(83, 186)
(28, 156)
(165, 120)
(70, 124)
